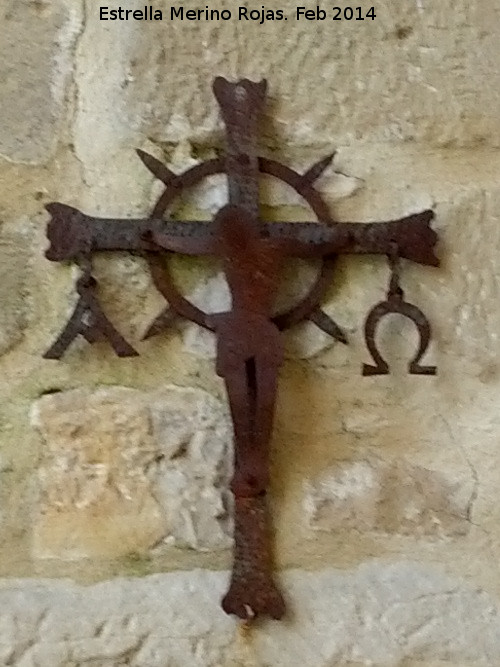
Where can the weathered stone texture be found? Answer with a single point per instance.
(381, 615)
(473, 265)
(36, 45)
(192, 478)
(123, 470)
(15, 243)
(393, 64)
(373, 495)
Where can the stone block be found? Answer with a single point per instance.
(380, 614)
(36, 60)
(388, 497)
(193, 433)
(378, 80)
(123, 470)
(14, 272)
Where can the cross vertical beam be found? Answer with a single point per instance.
(249, 367)
(241, 106)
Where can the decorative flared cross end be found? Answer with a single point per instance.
(252, 591)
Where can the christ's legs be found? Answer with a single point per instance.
(266, 381)
(251, 389)
(250, 461)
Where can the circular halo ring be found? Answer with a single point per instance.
(161, 273)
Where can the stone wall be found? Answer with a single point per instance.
(115, 519)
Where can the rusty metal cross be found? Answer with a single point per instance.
(249, 341)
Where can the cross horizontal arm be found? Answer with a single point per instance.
(72, 233)
(413, 236)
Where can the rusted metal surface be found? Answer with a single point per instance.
(88, 320)
(249, 345)
(252, 591)
(395, 303)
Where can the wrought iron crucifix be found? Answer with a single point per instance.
(249, 340)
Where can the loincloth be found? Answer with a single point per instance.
(245, 336)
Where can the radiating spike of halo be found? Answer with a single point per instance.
(164, 320)
(156, 167)
(314, 172)
(326, 324)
